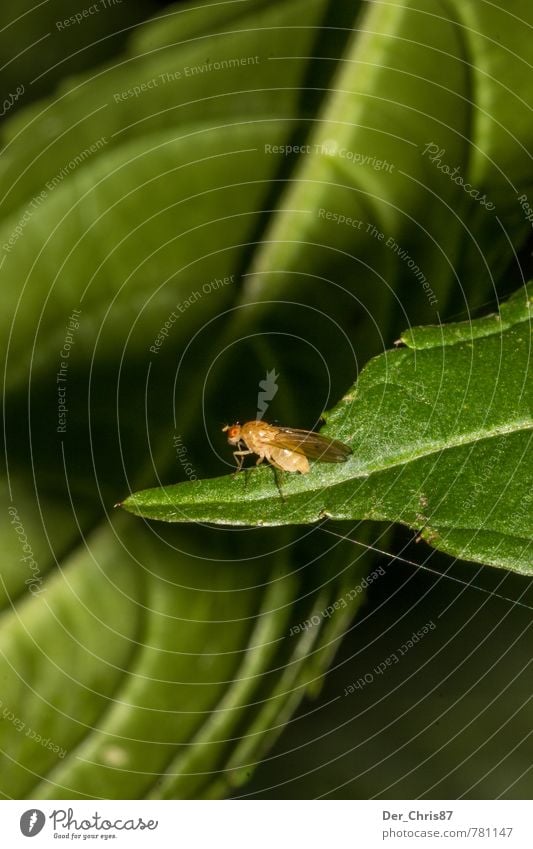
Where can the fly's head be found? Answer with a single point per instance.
(234, 433)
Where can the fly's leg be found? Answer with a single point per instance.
(239, 458)
(278, 476)
(275, 464)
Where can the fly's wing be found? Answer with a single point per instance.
(311, 444)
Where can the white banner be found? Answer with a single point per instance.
(267, 824)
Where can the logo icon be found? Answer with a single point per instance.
(269, 388)
(32, 822)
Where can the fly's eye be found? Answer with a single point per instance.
(233, 432)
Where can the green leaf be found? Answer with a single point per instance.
(41, 43)
(147, 664)
(368, 211)
(440, 433)
(164, 81)
(139, 664)
(120, 211)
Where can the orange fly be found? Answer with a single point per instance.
(285, 447)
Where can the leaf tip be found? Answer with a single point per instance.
(126, 504)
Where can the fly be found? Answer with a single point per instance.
(286, 448)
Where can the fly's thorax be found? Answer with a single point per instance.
(257, 434)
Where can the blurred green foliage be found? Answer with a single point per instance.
(137, 170)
